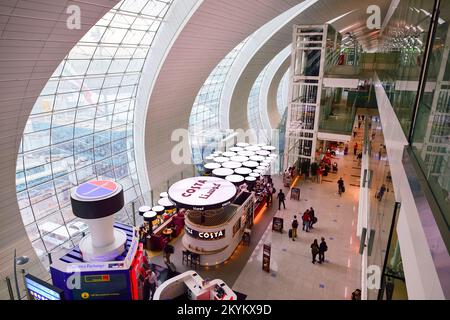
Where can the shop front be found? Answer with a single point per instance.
(216, 217)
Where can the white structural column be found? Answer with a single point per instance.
(34, 39)
(269, 88)
(213, 30)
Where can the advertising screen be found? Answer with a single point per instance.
(41, 290)
(101, 286)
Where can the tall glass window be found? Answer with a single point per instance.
(253, 109)
(81, 126)
(282, 94)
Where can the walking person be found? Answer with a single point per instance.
(269, 198)
(315, 251)
(355, 148)
(320, 171)
(294, 228)
(356, 295)
(322, 249)
(359, 157)
(306, 220)
(312, 217)
(168, 250)
(281, 197)
(381, 192)
(341, 187)
(152, 283)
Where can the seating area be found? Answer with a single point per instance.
(158, 240)
(191, 259)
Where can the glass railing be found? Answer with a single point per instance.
(380, 208)
(39, 268)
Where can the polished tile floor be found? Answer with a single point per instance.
(293, 276)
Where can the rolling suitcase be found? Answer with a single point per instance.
(290, 233)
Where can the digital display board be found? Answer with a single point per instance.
(100, 286)
(41, 290)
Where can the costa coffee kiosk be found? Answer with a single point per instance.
(217, 216)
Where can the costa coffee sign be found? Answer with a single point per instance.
(202, 193)
(205, 235)
(198, 186)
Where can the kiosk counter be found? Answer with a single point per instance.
(216, 218)
(108, 260)
(193, 287)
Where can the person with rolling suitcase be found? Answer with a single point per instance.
(294, 228)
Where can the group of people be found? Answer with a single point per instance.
(309, 219)
(319, 249)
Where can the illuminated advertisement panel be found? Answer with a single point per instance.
(41, 290)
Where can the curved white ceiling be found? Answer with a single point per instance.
(234, 98)
(243, 63)
(214, 29)
(176, 18)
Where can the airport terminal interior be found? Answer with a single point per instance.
(224, 150)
